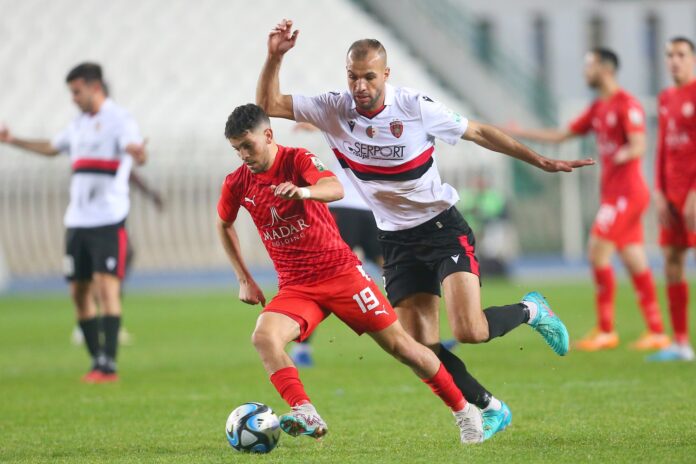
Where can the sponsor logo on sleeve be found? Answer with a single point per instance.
(317, 163)
(456, 117)
(635, 116)
(428, 99)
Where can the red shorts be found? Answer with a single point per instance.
(619, 219)
(352, 296)
(677, 234)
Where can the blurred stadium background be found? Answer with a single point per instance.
(180, 67)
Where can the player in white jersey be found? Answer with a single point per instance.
(102, 141)
(384, 138)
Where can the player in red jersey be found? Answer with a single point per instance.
(618, 121)
(675, 182)
(285, 191)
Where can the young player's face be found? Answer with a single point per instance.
(254, 149)
(592, 70)
(83, 94)
(680, 62)
(366, 80)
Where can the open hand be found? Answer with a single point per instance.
(552, 165)
(137, 151)
(282, 38)
(5, 136)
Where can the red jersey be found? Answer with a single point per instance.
(676, 142)
(301, 237)
(612, 120)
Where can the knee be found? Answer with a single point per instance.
(674, 267)
(262, 340)
(473, 333)
(80, 295)
(674, 273)
(598, 261)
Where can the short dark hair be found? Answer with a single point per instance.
(607, 56)
(90, 72)
(682, 39)
(245, 118)
(360, 48)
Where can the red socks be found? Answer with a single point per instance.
(678, 296)
(647, 298)
(289, 385)
(443, 386)
(605, 288)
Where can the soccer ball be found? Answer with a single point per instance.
(253, 427)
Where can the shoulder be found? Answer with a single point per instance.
(293, 155)
(335, 98)
(237, 179)
(409, 100)
(629, 101)
(118, 113)
(666, 94)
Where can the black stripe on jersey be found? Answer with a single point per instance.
(411, 174)
(107, 172)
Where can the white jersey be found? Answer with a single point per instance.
(101, 167)
(351, 197)
(389, 155)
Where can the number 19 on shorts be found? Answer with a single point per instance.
(366, 299)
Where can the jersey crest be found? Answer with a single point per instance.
(396, 128)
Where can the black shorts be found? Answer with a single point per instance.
(417, 260)
(358, 229)
(95, 249)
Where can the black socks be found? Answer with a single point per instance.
(90, 331)
(111, 326)
(502, 319)
(472, 390)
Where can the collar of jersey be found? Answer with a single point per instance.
(268, 175)
(388, 100)
(107, 103)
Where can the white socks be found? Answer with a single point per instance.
(494, 405)
(533, 309)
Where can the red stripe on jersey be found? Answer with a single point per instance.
(469, 248)
(122, 252)
(370, 114)
(88, 164)
(369, 169)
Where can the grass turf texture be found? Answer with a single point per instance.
(192, 363)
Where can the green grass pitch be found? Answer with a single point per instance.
(192, 363)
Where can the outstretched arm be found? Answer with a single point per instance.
(42, 147)
(140, 184)
(496, 140)
(249, 291)
(268, 96)
(540, 135)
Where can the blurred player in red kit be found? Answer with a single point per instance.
(675, 184)
(618, 120)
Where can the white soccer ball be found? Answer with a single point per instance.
(253, 427)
